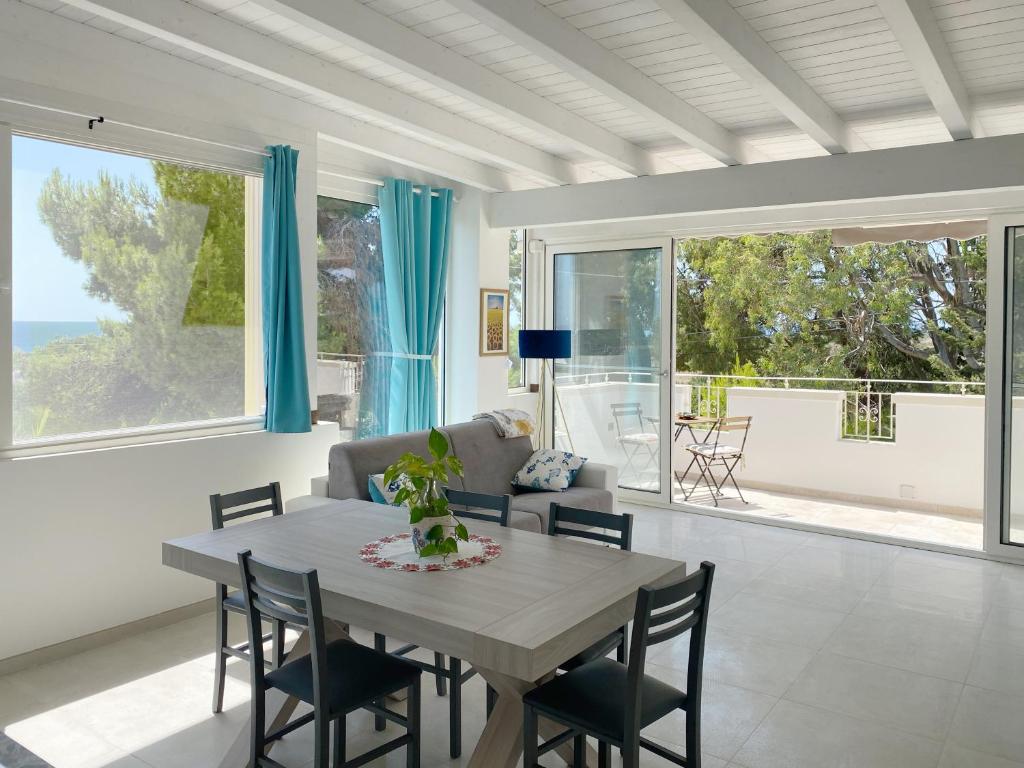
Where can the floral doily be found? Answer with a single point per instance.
(396, 553)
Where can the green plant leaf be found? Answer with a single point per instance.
(449, 545)
(436, 533)
(415, 515)
(462, 532)
(402, 496)
(455, 465)
(438, 444)
(429, 549)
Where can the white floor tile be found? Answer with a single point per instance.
(855, 569)
(989, 722)
(956, 583)
(909, 640)
(891, 697)
(746, 661)
(958, 757)
(777, 619)
(998, 667)
(797, 736)
(885, 595)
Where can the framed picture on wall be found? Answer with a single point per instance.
(493, 321)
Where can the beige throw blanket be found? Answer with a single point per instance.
(510, 422)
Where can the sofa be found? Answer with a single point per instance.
(490, 463)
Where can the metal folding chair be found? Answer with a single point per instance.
(636, 440)
(710, 454)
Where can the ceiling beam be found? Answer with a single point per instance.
(353, 24)
(558, 42)
(924, 171)
(51, 60)
(918, 33)
(197, 30)
(715, 24)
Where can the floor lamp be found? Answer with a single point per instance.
(547, 346)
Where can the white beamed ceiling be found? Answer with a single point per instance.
(843, 49)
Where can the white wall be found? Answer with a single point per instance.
(81, 532)
(795, 442)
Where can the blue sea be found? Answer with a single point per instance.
(29, 334)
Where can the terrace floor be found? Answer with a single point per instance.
(910, 524)
(823, 652)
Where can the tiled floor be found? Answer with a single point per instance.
(823, 652)
(902, 523)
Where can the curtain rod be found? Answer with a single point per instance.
(356, 176)
(96, 119)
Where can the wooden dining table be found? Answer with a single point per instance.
(515, 618)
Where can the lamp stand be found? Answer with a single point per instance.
(542, 411)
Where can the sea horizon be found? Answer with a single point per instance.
(29, 334)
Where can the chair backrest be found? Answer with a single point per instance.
(663, 613)
(733, 424)
(620, 526)
(225, 507)
(624, 414)
(470, 504)
(272, 592)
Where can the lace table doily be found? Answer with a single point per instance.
(396, 553)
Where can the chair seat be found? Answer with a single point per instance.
(640, 438)
(593, 698)
(235, 602)
(714, 451)
(355, 676)
(598, 650)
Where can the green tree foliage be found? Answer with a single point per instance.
(350, 278)
(516, 293)
(797, 305)
(173, 260)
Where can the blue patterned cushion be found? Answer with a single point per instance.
(549, 470)
(381, 494)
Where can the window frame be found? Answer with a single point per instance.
(225, 163)
(524, 386)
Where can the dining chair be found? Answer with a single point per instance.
(717, 453)
(617, 530)
(224, 508)
(334, 678)
(450, 677)
(614, 702)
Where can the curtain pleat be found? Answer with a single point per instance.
(284, 344)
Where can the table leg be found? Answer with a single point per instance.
(279, 706)
(501, 743)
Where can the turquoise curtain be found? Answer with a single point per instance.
(284, 345)
(415, 229)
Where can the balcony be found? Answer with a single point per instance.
(898, 458)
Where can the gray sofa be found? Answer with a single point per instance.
(490, 463)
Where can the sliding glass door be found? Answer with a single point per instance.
(610, 398)
(1004, 523)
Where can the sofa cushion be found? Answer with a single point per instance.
(351, 464)
(489, 460)
(549, 469)
(539, 503)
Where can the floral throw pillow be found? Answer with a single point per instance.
(549, 470)
(385, 494)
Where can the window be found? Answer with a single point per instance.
(516, 306)
(351, 316)
(129, 292)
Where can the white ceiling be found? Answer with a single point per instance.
(844, 50)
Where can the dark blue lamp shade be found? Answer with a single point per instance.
(545, 345)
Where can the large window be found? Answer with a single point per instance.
(129, 292)
(516, 306)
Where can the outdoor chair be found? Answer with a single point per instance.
(712, 453)
(638, 435)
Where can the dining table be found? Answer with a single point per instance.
(514, 618)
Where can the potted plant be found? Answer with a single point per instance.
(435, 530)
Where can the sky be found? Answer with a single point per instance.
(47, 284)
